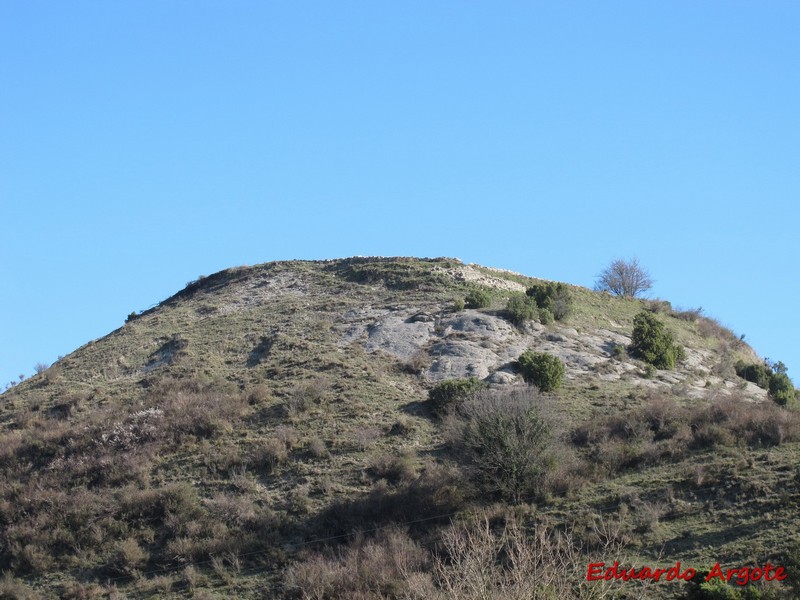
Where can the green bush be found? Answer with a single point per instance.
(543, 370)
(760, 374)
(716, 589)
(546, 316)
(781, 390)
(772, 378)
(654, 343)
(713, 590)
(554, 297)
(478, 299)
(448, 395)
(458, 305)
(520, 309)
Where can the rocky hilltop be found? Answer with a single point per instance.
(397, 309)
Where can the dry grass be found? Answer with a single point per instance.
(663, 430)
(365, 568)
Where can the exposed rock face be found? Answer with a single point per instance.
(476, 343)
(398, 334)
(395, 308)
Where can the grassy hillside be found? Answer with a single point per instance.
(265, 432)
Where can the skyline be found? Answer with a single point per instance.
(145, 144)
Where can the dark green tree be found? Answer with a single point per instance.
(552, 296)
(520, 309)
(543, 370)
(781, 390)
(654, 343)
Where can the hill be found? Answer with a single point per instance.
(266, 432)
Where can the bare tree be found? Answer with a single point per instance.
(523, 562)
(624, 278)
(41, 367)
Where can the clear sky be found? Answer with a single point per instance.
(145, 143)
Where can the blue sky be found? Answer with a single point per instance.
(143, 144)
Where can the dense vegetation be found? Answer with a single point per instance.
(772, 378)
(553, 297)
(654, 343)
(544, 302)
(542, 370)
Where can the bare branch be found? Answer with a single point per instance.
(624, 278)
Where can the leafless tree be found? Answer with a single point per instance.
(624, 278)
(517, 562)
(41, 367)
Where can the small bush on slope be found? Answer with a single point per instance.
(654, 343)
(505, 439)
(543, 370)
(552, 296)
(478, 299)
(772, 378)
(448, 395)
(521, 308)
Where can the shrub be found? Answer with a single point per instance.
(711, 328)
(317, 448)
(658, 306)
(691, 315)
(553, 296)
(618, 351)
(497, 556)
(449, 394)
(709, 435)
(365, 437)
(259, 395)
(520, 309)
(393, 468)
(506, 440)
(417, 363)
(478, 299)
(458, 305)
(760, 374)
(206, 414)
(128, 556)
(269, 455)
(14, 589)
(543, 370)
(653, 343)
(41, 367)
(546, 316)
(770, 377)
(366, 567)
(663, 430)
(781, 389)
